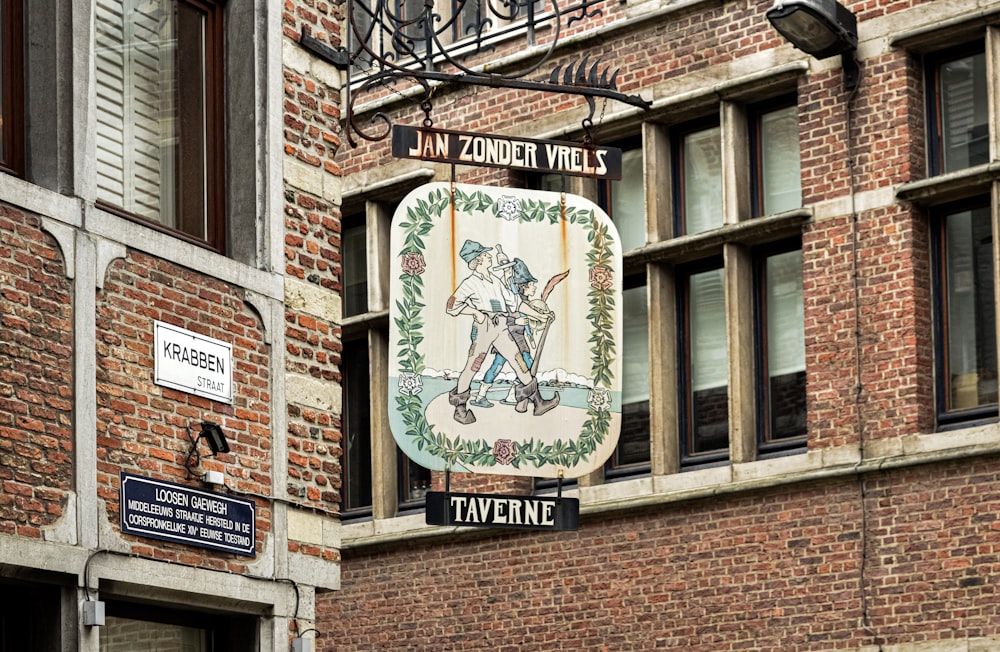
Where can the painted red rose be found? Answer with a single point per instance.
(504, 450)
(413, 263)
(601, 278)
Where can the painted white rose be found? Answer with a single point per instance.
(410, 384)
(509, 208)
(599, 399)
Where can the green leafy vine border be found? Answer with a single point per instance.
(417, 225)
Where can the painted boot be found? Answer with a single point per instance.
(529, 392)
(462, 413)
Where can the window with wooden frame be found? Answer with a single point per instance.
(355, 423)
(12, 88)
(378, 480)
(160, 137)
(957, 109)
(962, 248)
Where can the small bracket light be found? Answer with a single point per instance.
(821, 28)
(212, 433)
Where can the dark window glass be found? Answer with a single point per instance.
(159, 114)
(705, 369)
(958, 127)
(965, 304)
(467, 18)
(411, 36)
(414, 483)
(129, 627)
(354, 259)
(781, 361)
(30, 617)
(356, 426)
(12, 88)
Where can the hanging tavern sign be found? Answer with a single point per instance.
(505, 332)
(487, 150)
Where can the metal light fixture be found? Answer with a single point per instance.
(212, 433)
(821, 28)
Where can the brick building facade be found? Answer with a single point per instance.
(167, 165)
(834, 499)
(829, 483)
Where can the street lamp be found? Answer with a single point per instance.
(821, 28)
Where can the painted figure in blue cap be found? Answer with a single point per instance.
(494, 308)
(524, 284)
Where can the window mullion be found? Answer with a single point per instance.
(740, 328)
(658, 187)
(735, 171)
(384, 475)
(378, 218)
(665, 454)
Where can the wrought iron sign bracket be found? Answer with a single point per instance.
(390, 42)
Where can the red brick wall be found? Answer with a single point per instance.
(890, 557)
(36, 377)
(141, 425)
(769, 571)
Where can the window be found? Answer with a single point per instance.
(130, 627)
(397, 31)
(414, 483)
(958, 121)
(413, 26)
(965, 307)
(781, 349)
(698, 180)
(12, 89)
(377, 479)
(776, 185)
(961, 212)
(159, 126)
(624, 202)
(467, 18)
(354, 265)
(356, 426)
(632, 452)
(705, 365)
(30, 617)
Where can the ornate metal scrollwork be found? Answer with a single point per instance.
(390, 41)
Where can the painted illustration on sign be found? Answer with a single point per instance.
(505, 329)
